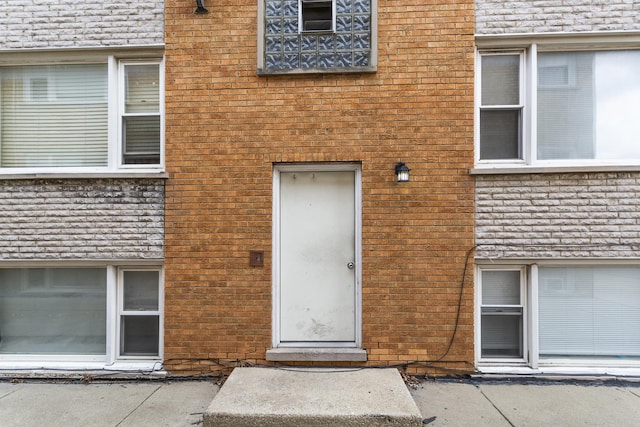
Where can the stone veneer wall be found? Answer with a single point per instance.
(73, 219)
(74, 24)
(509, 17)
(558, 215)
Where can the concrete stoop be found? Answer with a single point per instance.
(313, 397)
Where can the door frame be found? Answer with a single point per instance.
(276, 243)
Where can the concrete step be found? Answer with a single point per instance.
(313, 397)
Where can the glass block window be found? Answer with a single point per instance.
(344, 46)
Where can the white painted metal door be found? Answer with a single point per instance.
(317, 257)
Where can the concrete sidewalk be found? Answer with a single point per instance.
(476, 402)
(148, 403)
(523, 402)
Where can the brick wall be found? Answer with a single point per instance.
(226, 127)
(558, 215)
(81, 219)
(73, 23)
(496, 17)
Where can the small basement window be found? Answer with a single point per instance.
(316, 15)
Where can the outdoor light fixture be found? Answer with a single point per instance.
(200, 7)
(402, 172)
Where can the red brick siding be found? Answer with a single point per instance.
(226, 127)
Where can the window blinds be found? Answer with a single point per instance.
(53, 116)
(589, 311)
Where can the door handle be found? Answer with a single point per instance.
(350, 265)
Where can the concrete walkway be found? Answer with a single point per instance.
(478, 403)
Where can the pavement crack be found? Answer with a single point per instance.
(8, 394)
(137, 407)
(634, 393)
(496, 408)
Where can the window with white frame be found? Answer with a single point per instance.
(81, 117)
(559, 314)
(139, 312)
(574, 107)
(70, 311)
(502, 314)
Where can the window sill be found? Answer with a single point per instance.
(510, 170)
(84, 175)
(333, 70)
(298, 354)
(557, 371)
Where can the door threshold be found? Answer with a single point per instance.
(322, 354)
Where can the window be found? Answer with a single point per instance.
(316, 15)
(139, 316)
(580, 107)
(316, 36)
(589, 312)
(51, 311)
(501, 107)
(550, 315)
(140, 111)
(502, 317)
(58, 117)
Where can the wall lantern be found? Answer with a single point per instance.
(200, 7)
(402, 172)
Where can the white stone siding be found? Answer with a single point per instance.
(558, 215)
(508, 17)
(81, 219)
(73, 23)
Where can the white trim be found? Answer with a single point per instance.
(129, 174)
(112, 313)
(586, 40)
(621, 371)
(529, 135)
(559, 262)
(276, 269)
(532, 309)
(113, 105)
(36, 56)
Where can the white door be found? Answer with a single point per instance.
(317, 254)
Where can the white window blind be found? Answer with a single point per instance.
(53, 116)
(141, 117)
(592, 312)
